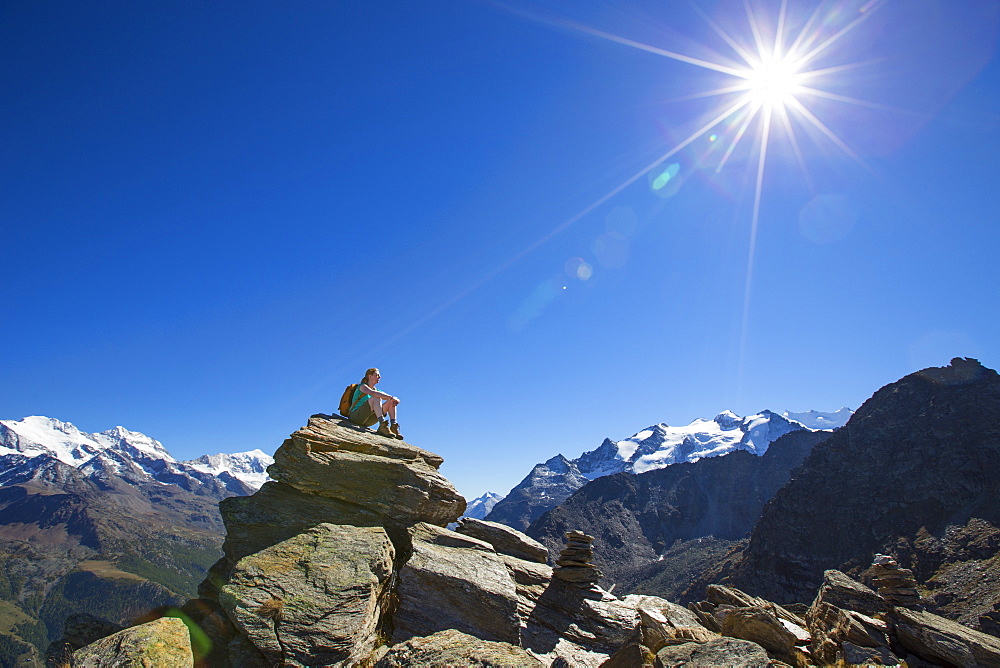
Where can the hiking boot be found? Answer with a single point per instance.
(394, 428)
(383, 430)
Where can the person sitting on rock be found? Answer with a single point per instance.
(368, 405)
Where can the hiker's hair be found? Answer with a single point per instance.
(364, 379)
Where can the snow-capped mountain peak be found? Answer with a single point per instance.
(249, 467)
(131, 456)
(480, 507)
(819, 420)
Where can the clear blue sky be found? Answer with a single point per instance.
(216, 215)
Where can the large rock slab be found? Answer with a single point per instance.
(505, 540)
(730, 652)
(452, 581)
(760, 625)
(277, 512)
(163, 643)
(314, 599)
(335, 459)
(937, 639)
(454, 648)
(841, 591)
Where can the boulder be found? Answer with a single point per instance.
(454, 648)
(314, 599)
(843, 592)
(162, 643)
(730, 652)
(663, 623)
(760, 625)
(722, 595)
(453, 581)
(335, 459)
(504, 539)
(277, 512)
(937, 639)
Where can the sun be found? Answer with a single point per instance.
(774, 82)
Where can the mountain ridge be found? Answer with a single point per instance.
(551, 482)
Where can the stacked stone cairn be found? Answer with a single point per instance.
(896, 585)
(573, 564)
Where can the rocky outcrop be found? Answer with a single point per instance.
(340, 461)
(831, 635)
(454, 648)
(348, 548)
(164, 643)
(913, 475)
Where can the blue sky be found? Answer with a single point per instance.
(217, 215)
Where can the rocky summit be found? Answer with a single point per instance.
(346, 559)
(915, 474)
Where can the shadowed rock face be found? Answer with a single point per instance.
(917, 464)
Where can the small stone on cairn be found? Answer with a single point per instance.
(896, 585)
(573, 564)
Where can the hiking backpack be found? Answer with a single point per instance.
(347, 398)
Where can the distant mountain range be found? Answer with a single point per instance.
(108, 523)
(656, 447)
(129, 455)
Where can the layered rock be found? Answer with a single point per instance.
(573, 564)
(846, 624)
(896, 585)
(338, 460)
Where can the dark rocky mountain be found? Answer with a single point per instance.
(914, 474)
(648, 524)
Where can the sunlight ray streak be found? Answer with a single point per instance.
(830, 134)
(652, 49)
(755, 218)
(755, 30)
(871, 9)
(805, 39)
(735, 88)
(750, 115)
(733, 44)
(835, 69)
(786, 122)
(780, 29)
(857, 101)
